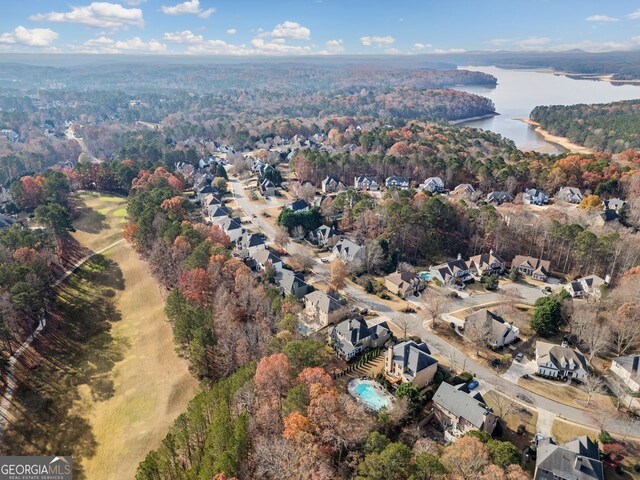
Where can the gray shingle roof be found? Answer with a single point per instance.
(461, 404)
(412, 357)
(575, 460)
(350, 334)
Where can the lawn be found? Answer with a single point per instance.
(558, 391)
(563, 431)
(109, 383)
(516, 416)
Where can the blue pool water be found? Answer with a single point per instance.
(426, 276)
(371, 396)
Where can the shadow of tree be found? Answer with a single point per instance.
(77, 353)
(90, 221)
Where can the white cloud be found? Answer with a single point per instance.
(377, 41)
(332, 47)
(634, 15)
(133, 45)
(449, 50)
(218, 47)
(34, 37)
(182, 37)
(499, 41)
(134, 2)
(277, 47)
(601, 18)
(186, 8)
(392, 51)
(422, 46)
(96, 14)
(232, 31)
(288, 29)
(533, 43)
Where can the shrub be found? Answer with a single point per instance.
(604, 437)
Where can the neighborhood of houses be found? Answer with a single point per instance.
(352, 332)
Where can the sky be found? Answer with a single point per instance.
(317, 27)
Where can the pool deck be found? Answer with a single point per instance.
(353, 384)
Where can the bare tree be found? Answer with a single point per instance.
(620, 389)
(592, 385)
(403, 322)
(478, 333)
(591, 331)
(307, 192)
(374, 257)
(625, 327)
(405, 267)
(434, 305)
(241, 165)
(338, 276)
(502, 404)
(301, 262)
(281, 237)
(298, 231)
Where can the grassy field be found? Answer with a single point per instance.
(108, 384)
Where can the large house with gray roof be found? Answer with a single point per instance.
(348, 250)
(292, 283)
(454, 271)
(459, 411)
(536, 268)
(497, 332)
(410, 362)
(560, 361)
(569, 194)
(320, 305)
(353, 336)
(486, 264)
(627, 369)
(575, 460)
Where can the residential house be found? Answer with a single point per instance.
(353, 336)
(486, 264)
(404, 284)
(10, 135)
(348, 250)
(536, 268)
(267, 187)
(560, 361)
(535, 196)
(569, 194)
(217, 213)
(397, 182)
(324, 236)
(627, 369)
(586, 286)
(604, 217)
(498, 333)
(460, 411)
(578, 459)
(298, 206)
(454, 271)
(499, 198)
(251, 242)
(366, 183)
(211, 200)
(333, 185)
(433, 185)
(410, 362)
(263, 258)
(292, 283)
(615, 204)
(320, 305)
(232, 227)
(463, 190)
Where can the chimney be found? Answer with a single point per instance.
(491, 252)
(564, 343)
(459, 256)
(579, 461)
(607, 279)
(634, 365)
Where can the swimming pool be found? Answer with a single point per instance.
(426, 276)
(370, 393)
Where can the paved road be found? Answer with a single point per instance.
(10, 380)
(547, 408)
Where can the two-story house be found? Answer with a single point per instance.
(459, 411)
(588, 286)
(498, 198)
(497, 332)
(535, 196)
(569, 194)
(578, 459)
(348, 250)
(454, 271)
(486, 264)
(432, 185)
(404, 284)
(560, 361)
(397, 182)
(626, 368)
(320, 305)
(410, 362)
(324, 236)
(364, 182)
(292, 283)
(354, 336)
(333, 185)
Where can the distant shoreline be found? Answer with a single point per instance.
(562, 141)
(473, 119)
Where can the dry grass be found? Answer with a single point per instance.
(109, 383)
(559, 392)
(564, 431)
(520, 416)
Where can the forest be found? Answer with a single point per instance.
(611, 127)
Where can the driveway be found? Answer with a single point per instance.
(517, 369)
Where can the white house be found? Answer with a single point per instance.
(348, 251)
(586, 286)
(332, 184)
(535, 196)
(433, 185)
(560, 361)
(365, 183)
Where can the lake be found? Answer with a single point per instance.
(519, 91)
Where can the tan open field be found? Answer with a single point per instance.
(106, 383)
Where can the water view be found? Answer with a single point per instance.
(519, 91)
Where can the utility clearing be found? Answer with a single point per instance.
(109, 383)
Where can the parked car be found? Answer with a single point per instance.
(324, 260)
(526, 376)
(524, 398)
(519, 357)
(473, 385)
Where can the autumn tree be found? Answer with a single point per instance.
(338, 275)
(590, 202)
(466, 458)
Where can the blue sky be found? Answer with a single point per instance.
(305, 27)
